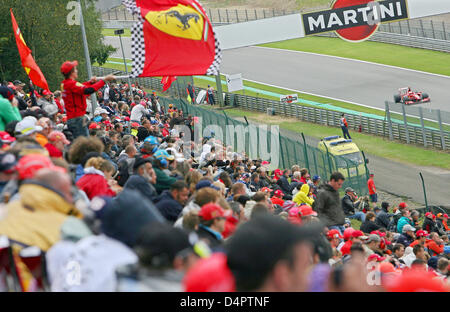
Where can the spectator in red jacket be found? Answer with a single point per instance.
(96, 180)
(277, 198)
(435, 245)
(56, 144)
(74, 97)
(372, 190)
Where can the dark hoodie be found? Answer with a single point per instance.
(328, 206)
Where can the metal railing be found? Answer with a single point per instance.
(389, 127)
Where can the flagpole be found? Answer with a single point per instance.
(87, 56)
(120, 32)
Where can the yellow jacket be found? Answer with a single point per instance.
(302, 196)
(36, 218)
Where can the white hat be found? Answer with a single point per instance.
(27, 126)
(407, 228)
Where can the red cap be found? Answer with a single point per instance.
(422, 233)
(307, 211)
(55, 136)
(94, 126)
(278, 172)
(415, 280)
(211, 211)
(381, 234)
(126, 118)
(445, 215)
(278, 193)
(265, 162)
(46, 92)
(402, 205)
(6, 138)
(134, 125)
(334, 234)
(348, 233)
(210, 275)
(29, 165)
(295, 215)
(357, 233)
(67, 66)
(375, 257)
(266, 189)
(387, 267)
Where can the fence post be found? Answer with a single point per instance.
(421, 26)
(424, 192)
(440, 129)
(306, 152)
(424, 136)
(432, 29)
(409, 27)
(443, 28)
(117, 16)
(273, 12)
(406, 124)
(400, 26)
(125, 14)
(264, 12)
(388, 114)
(390, 27)
(246, 15)
(237, 16)
(220, 17)
(228, 18)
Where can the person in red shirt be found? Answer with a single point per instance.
(56, 143)
(421, 238)
(97, 180)
(435, 245)
(355, 237)
(372, 190)
(277, 198)
(74, 95)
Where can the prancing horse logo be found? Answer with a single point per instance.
(184, 19)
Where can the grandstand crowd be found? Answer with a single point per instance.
(113, 199)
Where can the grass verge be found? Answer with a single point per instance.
(376, 52)
(110, 32)
(374, 145)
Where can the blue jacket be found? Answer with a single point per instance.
(168, 206)
(402, 222)
(140, 184)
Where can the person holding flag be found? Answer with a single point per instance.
(74, 95)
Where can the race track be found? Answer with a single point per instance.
(343, 79)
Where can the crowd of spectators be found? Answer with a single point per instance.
(115, 200)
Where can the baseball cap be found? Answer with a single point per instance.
(245, 176)
(359, 234)
(348, 233)
(349, 189)
(375, 257)
(58, 136)
(210, 275)
(266, 189)
(307, 211)
(278, 172)
(67, 66)
(47, 92)
(18, 83)
(402, 205)
(211, 211)
(334, 234)
(30, 164)
(7, 162)
(278, 193)
(429, 214)
(152, 140)
(7, 93)
(205, 183)
(6, 138)
(265, 162)
(445, 215)
(373, 238)
(422, 233)
(407, 228)
(27, 126)
(315, 178)
(134, 125)
(162, 154)
(94, 126)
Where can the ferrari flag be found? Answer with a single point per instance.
(28, 63)
(172, 38)
(167, 82)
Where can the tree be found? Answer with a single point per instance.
(52, 36)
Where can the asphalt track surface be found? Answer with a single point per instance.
(346, 80)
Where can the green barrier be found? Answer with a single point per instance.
(290, 153)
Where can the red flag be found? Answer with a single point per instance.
(167, 82)
(173, 38)
(28, 63)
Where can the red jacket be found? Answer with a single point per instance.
(434, 248)
(53, 151)
(74, 95)
(60, 106)
(230, 226)
(345, 249)
(371, 186)
(94, 185)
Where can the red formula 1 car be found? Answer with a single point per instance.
(408, 97)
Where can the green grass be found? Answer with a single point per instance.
(374, 145)
(110, 32)
(383, 53)
(204, 83)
